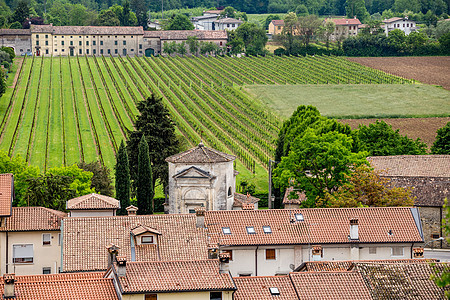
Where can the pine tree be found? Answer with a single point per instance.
(122, 179)
(144, 186)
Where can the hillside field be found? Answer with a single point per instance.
(356, 100)
(64, 110)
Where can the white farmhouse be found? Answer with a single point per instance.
(227, 24)
(200, 177)
(205, 22)
(405, 25)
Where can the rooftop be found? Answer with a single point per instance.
(15, 32)
(412, 165)
(229, 21)
(33, 219)
(278, 22)
(184, 34)
(92, 201)
(394, 19)
(318, 225)
(175, 276)
(240, 199)
(340, 22)
(348, 265)
(258, 288)
(6, 194)
(201, 154)
(91, 30)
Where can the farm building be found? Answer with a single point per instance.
(18, 39)
(405, 25)
(344, 28)
(276, 27)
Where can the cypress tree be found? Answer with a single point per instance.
(144, 187)
(122, 179)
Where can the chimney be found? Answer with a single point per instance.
(354, 235)
(213, 251)
(121, 266)
(200, 214)
(113, 250)
(131, 210)
(224, 259)
(248, 206)
(9, 292)
(418, 252)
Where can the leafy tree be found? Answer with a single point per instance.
(21, 13)
(15, 25)
(122, 175)
(269, 19)
(302, 10)
(193, 44)
(409, 5)
(308, 27)
(156, 124)
(140, 9)
(329, 30)
(108, 18)
(228, 12)
(317, 164)
(181, 48)
(101, 180)
(144, 186)
(170, 47)
(442, 27)
(290, 33)
(444, 42)
(235, 43)
(442, 143)
(356, 8)
(179, 22)
(365, 187)
(81, 180)
(208, 47)
(51, 191)
(379, 139)
(253, 37)
(2, 82)
(125, 17)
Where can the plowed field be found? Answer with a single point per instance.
(423, 128)
(432, 70)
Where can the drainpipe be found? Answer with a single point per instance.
(256, 261)
(440, 209)
(7, 248)
(411, 253)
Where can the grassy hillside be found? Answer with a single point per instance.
(65, 110)
(357, 100)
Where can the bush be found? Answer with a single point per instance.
(10, 51)
(280, 52)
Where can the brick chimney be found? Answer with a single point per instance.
(121, 266)
(224, 259)
(418, 252)
(200, 214)
(248, 206)
(213, 251)
(131, 210)
(354, 234)
(113, 250)
(9, 290)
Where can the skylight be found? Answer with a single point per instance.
(226, 230)
(251, 230)
(267, 229)
(299, 217)
(274, 291)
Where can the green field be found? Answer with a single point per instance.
(357, 100)
(66, 110)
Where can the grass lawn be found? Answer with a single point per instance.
(356, 100)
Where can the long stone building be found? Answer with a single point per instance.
(97, 40)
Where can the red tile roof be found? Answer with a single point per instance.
(85, 239)
(90, 30)
(342, 22)
(175, 276)
(320, 225)
(348, 265)
(200, 154)
(278, 22)
(33, 219)
(412, 165)
(392, 20)
(330, 285)
(63, 287)
(257, 288)
(184, 34)
(6, 194)
(92, 201)
(240, 199)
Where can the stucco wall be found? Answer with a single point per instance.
(43, 255)
(20, 43)
(185, 296)
(431, 224)
(91, 213)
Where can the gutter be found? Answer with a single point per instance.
(61, 245)
(7, 248)
(256, 261)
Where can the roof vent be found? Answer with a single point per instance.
(9, 292)
(224, 257)
(131, 210)
(390, 232)
(274, 291)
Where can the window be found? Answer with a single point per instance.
(101, 43)
(233, 25)
(94, 51)
(62, 36)
(79, 43)
(267, 229)
(46, 270)
(71, 37)
(46, 36)
(299, 217)
(274, 291)
(220, 43)
(245, 274)
(397, 251)
(87, 51)
(79, 51)
(101, 51)
(46, 43)
(62, 50)
(251, 230)
(46, 239)
(124, 43)
(37, 43)
(93, 43)
(87, 43)
(79, 36)
(59, 239)
(46, 51)
(229, 252)
(71, 43)
(147, 240)
(62, 43)
(23, 253)
(270, 254)
(37, 36)
(109, 51)
(115, 51)
(21, 50)
(215, 296)
(140, 46)
(115, 43)
(435, 236)
(229, 191)
(123, 36)
(56, 50)
(226, 230)
(372, 250)
(192, 211)
(132, 50)
(151, 297)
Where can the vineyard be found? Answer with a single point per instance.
(66, 110)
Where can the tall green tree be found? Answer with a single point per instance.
(123, 183)
(156, 124)
(21, 13)
(144, 186)
(254, 38)
(356, 8)
(442, 143)
(101, 180)
(179, 22)
(140, 8)
(193, 44)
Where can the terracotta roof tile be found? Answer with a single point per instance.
(85, 239)
(184, 34)
(330, 285)
(200, 154)
(392, 20)
(257, 288)
(33, 219)
(90, 30)
(412, 165)
(63, 287)
(175, 276)
(240, 199)
(348, 265)
(325, 225)
(92, 201)
(15, 32)
(6, 194)
(278, 22)
(229, 21)
(340, 22)
(298, 200)
(402, 281)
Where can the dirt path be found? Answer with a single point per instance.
(429, 69)
(19, 62)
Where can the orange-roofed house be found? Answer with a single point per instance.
(30, 241)
(92, 205)
(276, 27)
(344, 28)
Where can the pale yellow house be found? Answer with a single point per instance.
(345, 28)
(276, 27)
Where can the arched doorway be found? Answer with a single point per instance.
(149, 52)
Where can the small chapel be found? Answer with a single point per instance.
(203, 177)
